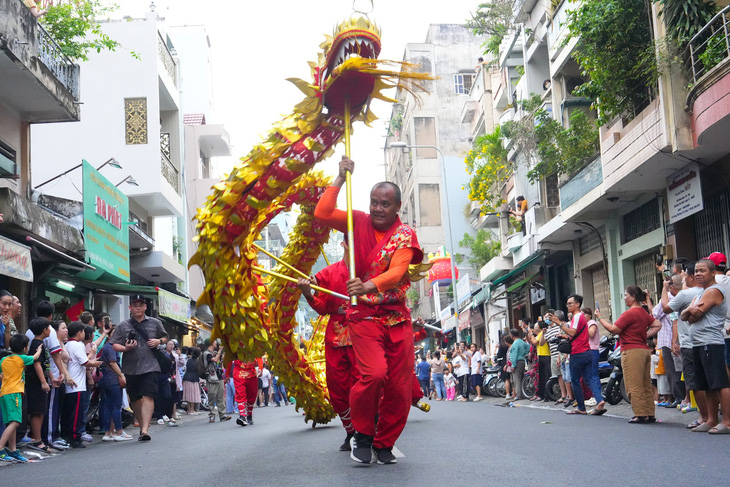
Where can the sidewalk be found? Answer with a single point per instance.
(621, 410)
(36, 456)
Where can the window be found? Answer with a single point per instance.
(425, 129)
(135, 120)
(430, 205)
(8, 165)
(641, 221)
(462, 83)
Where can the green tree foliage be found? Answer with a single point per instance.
(76, 29)
(562, 150)
(487, 165)
(617, 52)
(482, 248)
(685, 18)
(492, 19)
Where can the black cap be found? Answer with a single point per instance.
(136, 297)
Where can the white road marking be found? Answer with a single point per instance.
(397, 453)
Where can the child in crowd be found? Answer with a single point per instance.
(36, 383)
(72, 420)
(450, 382)
(11, 394)
(653, 368)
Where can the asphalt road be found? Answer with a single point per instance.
(456, 443)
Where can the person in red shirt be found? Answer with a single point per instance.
(633, 327)
(339, 356)
(380, 324)
(581, 358)
(246, 385)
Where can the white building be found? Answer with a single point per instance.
(132, 113)
(450, 53)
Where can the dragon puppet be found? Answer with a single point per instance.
(252, 316)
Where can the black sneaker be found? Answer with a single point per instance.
(77, 444)
(241, 422)
(385, 456)
(361, 448)
(249, 419)
(346, 445)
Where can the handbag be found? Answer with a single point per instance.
(565, 345)
(162, 359)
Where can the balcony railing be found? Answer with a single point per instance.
(166, 58)
(62, 67)
(170, 172)
(709, 46)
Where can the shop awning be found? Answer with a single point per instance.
(518, 285)
(517, 270)
(110, 287)
(480, 297)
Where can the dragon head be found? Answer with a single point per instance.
(337, 77)
(348, 69)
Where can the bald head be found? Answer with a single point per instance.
(389, 185)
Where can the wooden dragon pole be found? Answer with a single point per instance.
(348, 190)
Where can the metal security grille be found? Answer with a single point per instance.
(600, 290)
(645, 274)
(641, 221)
(590, 242)
(711, 225)
(552, 192)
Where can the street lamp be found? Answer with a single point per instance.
(129, 180)
(111, 162)
(403, 145)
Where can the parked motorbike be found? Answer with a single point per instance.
(615, 387)
(493, 384)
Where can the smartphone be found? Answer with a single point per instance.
(597, 306)
(132, 335)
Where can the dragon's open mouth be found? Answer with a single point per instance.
(353, 46)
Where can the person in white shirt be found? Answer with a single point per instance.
(476, 371)
(71, 419)
(461, 365)
(265, 383)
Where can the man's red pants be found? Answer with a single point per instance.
(384, 357)
(341, 376)
(246, 391)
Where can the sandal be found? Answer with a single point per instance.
(144, 437)
(639, 420)
(37, 446)
(703, 428)
(598, 412)
(694, 424)
(720, 429)
(576, 411)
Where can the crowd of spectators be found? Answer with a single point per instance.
(672, 352)
(59, 382)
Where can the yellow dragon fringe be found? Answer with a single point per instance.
(254, 318)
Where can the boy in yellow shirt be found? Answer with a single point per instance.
(13, 373)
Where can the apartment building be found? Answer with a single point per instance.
(655, 189)
(38, 85)
(430, 168)
(131, 137)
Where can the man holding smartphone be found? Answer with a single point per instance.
(137, 338)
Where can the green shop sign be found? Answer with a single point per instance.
(106, 213)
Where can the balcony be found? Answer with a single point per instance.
(39, 83)
(494, 268)
(557, 33)
(584, 181)
(157, 267)
(708, 102)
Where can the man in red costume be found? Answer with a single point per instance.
(245, 382)
(338, 353)
(380, 324)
